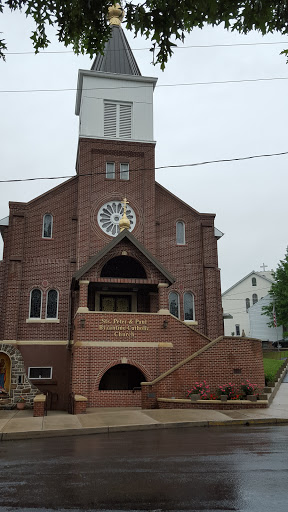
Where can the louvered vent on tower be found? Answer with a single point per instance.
(117, 120)
(110, 120)
(125, 121)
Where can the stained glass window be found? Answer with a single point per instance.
(247, 304)
(47, 226)
(180, 233)
(254, 298)
(35, 303)
(174, 304)
(188, 306)
(52, 304)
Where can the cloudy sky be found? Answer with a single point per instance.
(194, 122)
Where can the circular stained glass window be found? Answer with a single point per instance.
(109, 215)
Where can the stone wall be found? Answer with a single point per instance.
(20, 384)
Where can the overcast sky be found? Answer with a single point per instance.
(193, 123)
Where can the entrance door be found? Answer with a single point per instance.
(115, 303)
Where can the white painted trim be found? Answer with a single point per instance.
(47, 293)
(47, 237)
(39, 378)
(35, 318)
(42, 321)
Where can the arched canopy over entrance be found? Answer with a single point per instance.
(123, 266)
(122, 376)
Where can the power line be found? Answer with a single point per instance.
(141, 86)
(147, 48)
(222, 160)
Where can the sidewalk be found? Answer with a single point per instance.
(22, 425)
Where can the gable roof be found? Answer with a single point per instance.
(117, 57)
(123, 234)
(253, 273)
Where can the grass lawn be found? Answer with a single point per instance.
(270, 367)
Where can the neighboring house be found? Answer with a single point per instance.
(237, 300)
(259, 323)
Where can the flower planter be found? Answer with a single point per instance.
(20, 405)
(195, 397)
(252, 398)
(223, 398)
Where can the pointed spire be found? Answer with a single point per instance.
(117, 57)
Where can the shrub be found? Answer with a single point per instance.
(248, 388)
(201, 388)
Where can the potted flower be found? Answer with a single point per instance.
(21, 403)
(248, 389)
(199, 390)
(226, 392)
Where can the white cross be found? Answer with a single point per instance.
(263, 266)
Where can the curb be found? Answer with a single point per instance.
(42, 434)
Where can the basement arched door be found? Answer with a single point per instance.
(122, 376)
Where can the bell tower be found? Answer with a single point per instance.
(116, 148)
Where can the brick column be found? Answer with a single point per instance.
(162, 298)
(39, 405)
(83, 297)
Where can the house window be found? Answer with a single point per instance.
(35, 303)
(180, 233)
(254, 281)
(52, 304)
(254, 298)
(110, 170)
(124, 171)
(247, 304)
(117, 120)
(188, 306)
(41, 372)
(174, 304)
(47, 226)
(237, 329)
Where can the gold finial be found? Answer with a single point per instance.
(124, 223)
(115, 14)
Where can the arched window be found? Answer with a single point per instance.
(174, 304)
(254, 281)
(180, 232)
(254, 298)
(188, 306)
(247, 304)
(35, 303)
(47, 226)
(52, 304)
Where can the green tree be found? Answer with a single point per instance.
(279, 294)
(83, 23)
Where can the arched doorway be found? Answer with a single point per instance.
(122, 377)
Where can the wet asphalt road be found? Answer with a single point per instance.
(181, 469)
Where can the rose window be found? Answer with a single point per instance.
(109, 215)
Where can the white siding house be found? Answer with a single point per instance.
(237, 300)
(258, 322)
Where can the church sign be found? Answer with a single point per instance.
(126, 328)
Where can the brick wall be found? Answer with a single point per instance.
(216, 365)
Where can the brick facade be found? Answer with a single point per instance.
(79, 343)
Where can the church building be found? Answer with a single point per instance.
(108, 280)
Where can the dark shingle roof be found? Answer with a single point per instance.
(118, 57)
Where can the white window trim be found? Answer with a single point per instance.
(184, 229)
(106, 175)
(178, 300)
(189, 321)
(35, 318)
(47, 237)
(56, 317)
(125, 172)
(40, 378)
